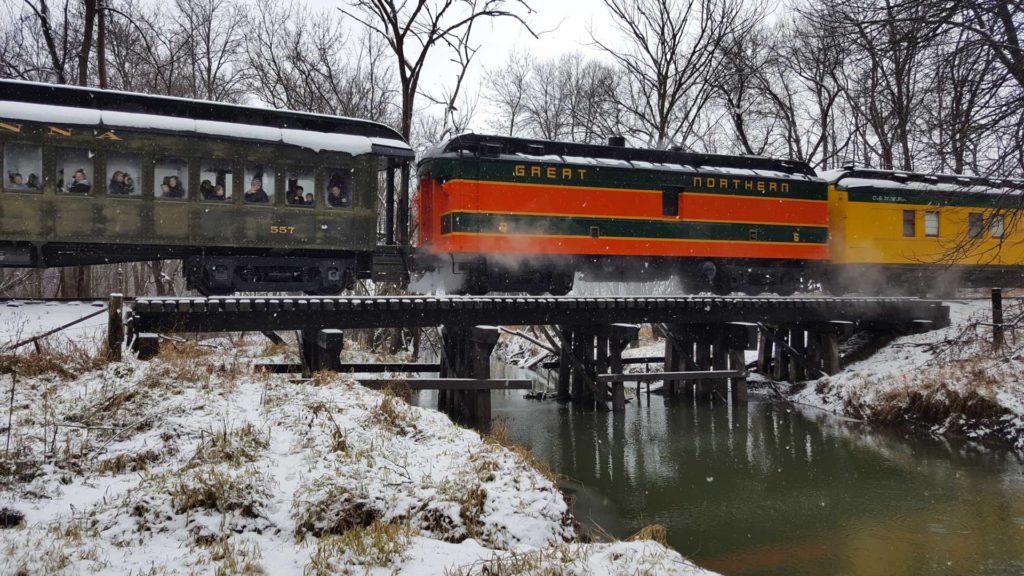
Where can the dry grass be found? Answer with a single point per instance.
(235, 446)
(224, 490)
(324, 508)
(563, 560)
(654, 532)
(131, 461)
(377, 545)
(236, 559)
(393, 414)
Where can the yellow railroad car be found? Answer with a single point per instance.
(903, 232)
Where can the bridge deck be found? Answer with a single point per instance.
(312, 313)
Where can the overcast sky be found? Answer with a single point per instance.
(563, 26)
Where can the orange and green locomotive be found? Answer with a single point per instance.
(509, 214)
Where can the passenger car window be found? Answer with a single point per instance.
(975, 226)
(670, 202)
(74, 170)
(170, 178)
(299, 187)
(125, 173)
(259, 184)
(931, 224)
(339, 188)
(215, 180)
(996, 225)
(909, 223)
(23, 167)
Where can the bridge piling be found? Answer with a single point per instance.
(467, 352)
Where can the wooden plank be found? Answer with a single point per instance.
(656, 376)
(448, 383)
(371, 367)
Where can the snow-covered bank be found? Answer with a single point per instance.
(193, 464)
(948, 382)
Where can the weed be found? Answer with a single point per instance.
(130, 462)
(324, 508)
(223, 490)
(234, 446)
(654, 532)
(393, 414)
(561, 560)
(236, 560)
(376, 545)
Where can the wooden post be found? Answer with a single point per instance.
(115, 327)
(147, 345)
(830, 351)
(702, 358)
(564, 368)
(720, 361)
(467, 355)
(796, 340)
(780, 363)
(764, 354)
(737, 361)
(617, 337)
(329, 343)
(671, 365)
(998, 334)
(813, 353)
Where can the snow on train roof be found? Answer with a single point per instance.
(949, 183)
(348, 143)
(439, 151)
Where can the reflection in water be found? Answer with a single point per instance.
(770, 489)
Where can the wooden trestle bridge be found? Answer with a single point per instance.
(706, 337)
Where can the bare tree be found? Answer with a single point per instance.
(413, 30)
(303, 60)
(506, 88)
(672, 46)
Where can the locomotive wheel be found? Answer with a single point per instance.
(787, 284)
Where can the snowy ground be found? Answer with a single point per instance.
(21, 319)
(948, 381)
(193, 464)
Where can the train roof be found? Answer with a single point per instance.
(851, 178)
(504, 147)
(33, 101)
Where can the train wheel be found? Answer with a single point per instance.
(561, 284)
(787, 284)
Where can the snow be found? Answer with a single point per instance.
(23, 319)
(981, 392)
(193, 463)
(317, 141)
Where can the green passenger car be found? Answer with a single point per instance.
(251, 199)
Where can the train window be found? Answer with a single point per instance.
(259, 184)
(996, 226)
(74, 170)
(299, 185)
(931, 224)
(975, 226)
(23, 167)
(670, 202)
(215, 180)
(909, 223)
(339, 188)
(125, 170)
(170, 178)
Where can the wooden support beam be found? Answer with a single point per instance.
(661, 376)
(832, 340)
(146, 345)
(798, 359)
(115, 327)
(564, 367)
(580, 371)
(451, 384)
(738, 363)
(720, 363)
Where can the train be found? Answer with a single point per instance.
(260, 200)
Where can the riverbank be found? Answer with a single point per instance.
(950, 382)
(193, 463)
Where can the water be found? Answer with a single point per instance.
(772, 489)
